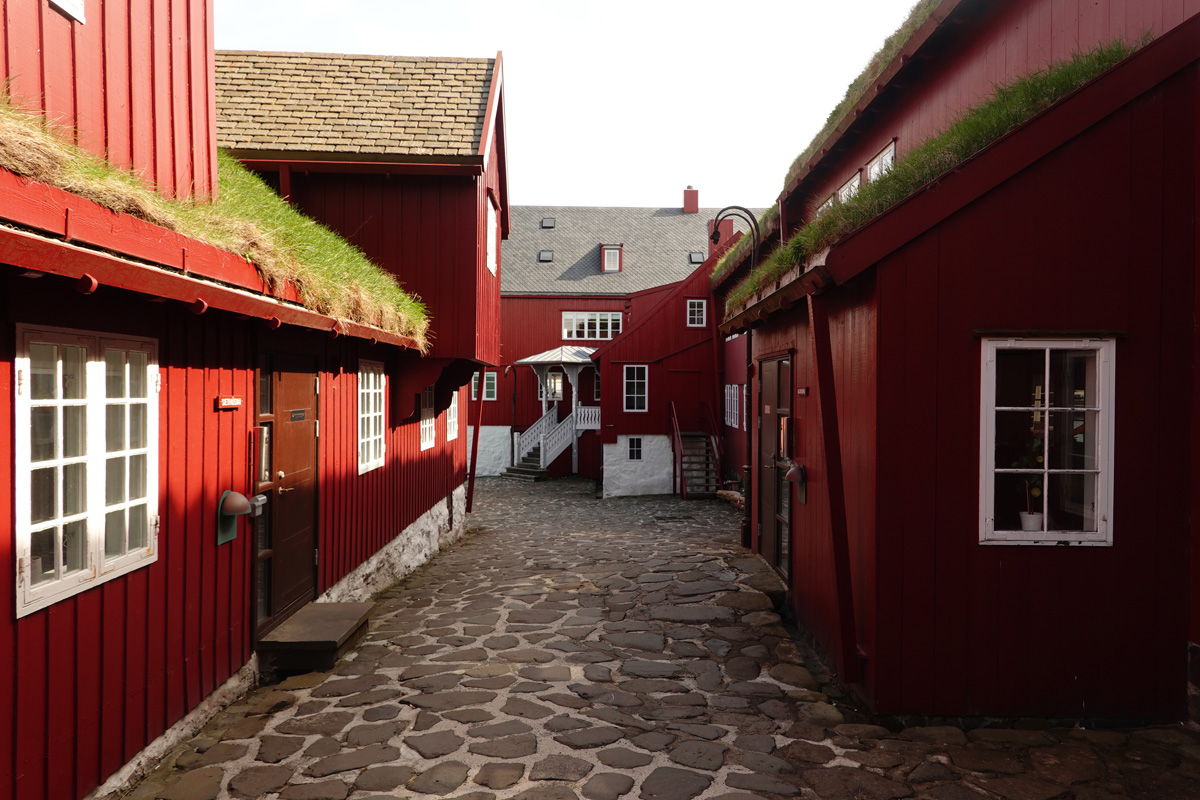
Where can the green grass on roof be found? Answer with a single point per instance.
(1009, 107)
(332, 276)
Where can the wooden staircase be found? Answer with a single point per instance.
(699, 465)
(528, 468)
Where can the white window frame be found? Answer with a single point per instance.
(372, 410)
(607, 263)
(594, 326)
(631, 380)
(596, 385)
(1104, 412)
(697, 313)
(428, 419)
(97, 568)
(828, 204)
(555, 379)
(493, 237)
(72, 8)
(633, 448)
(882, 163)
(489, 386)
(452, 418)
(850, 188)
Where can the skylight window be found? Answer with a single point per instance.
(545, 256)
(696, 257)
(547, 222)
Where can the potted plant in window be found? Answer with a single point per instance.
(1032, 458)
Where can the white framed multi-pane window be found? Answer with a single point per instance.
(828, 204)
(489, 386)
(452, 418)
(610, 258)
(85, 457)
(636, 387)
(372, 444)
(1046, 441)
(493, 238)
(591, 324)
(696, 313)
(882, 163)
(428, 418)
(733, 396)
(596, 385)
(849, 188)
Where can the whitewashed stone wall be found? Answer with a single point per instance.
(416, 544)
(495, 448)
(651, 475)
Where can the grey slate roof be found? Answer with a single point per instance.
(351, 104)
(657, 242)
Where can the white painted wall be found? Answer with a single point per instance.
(651, 475)
(495, 449)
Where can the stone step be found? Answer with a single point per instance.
(314, 638)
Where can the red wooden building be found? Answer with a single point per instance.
(977, 413)
(147, 374)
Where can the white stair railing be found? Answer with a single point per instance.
(532, 436)
(557, 439)
(587, 418)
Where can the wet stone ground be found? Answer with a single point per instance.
(570, 647)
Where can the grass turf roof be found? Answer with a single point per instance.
(1009, 107)
(249, 219)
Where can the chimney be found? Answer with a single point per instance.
(691, 200)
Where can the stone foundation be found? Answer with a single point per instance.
(651, 475)
(495, 449)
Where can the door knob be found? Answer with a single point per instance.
(279, 475)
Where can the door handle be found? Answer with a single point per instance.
(282, 490)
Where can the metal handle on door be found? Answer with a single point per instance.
(279, 476)
(282, 490)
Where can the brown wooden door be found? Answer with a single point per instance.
(287, 541)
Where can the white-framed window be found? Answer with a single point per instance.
(733, 396)
(745, 404)
(452, 419)
(882, 163)
(428, 428)
(696, 317)
(828, 204)
(86, 459)
(849, 188)
(596, 385)
(610, 257)
(489, 386)
(636, 386)
(635, 448)
(594, 325)
(554, 382)
(372, 444)
(1046, 441)
(493, 238)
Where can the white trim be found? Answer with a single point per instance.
(372, 386)
(452, 419)
(633, 448)
(72, 8)
(605, 252)
(850, 188)
(1102, 413)
(697, 304)
(428, 419)
(489, 386)
(493, 236)
(882, 163)
(644, 380)
(587, 325)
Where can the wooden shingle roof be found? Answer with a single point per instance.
(351, 104)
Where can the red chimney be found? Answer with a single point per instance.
(691, 200)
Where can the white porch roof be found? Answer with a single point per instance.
(566, 354)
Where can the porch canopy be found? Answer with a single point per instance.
(572, 359)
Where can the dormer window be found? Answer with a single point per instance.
(547, 222)
(882, 163)
(849, 188)
(610, 257)
(545, 256)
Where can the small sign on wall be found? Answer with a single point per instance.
(228, 402)
(72, 8)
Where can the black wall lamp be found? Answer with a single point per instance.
(233, 505)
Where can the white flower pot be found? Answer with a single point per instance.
(1031, 520)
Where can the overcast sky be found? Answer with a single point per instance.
(618, 102)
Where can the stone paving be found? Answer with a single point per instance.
(570, 647)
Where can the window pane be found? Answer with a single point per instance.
(1073, 440)
(137, 425)
(114, 533)
(115, 428)
(1071, 502)
(114, 385)
(44, 444)
(74, 442)
(41, 552)
(604, 326)
(616, 323)
(138, 528)
(364, 451)
(74, 379)
(1073, 378)
(264, 387)
(75, 546)
(114, 485)
(1020, 378)
(43, 491)
(43, 371)
(262, 528)
(137, 477)
(137, 374)
(1016, 493)
(74, 489)
(1019, 442)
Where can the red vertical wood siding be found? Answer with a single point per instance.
(95, 80)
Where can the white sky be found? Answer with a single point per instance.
(618, 102)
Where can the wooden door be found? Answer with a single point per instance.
(287, 472)
(774, 449)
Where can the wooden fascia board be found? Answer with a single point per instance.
(465, 169)
(494, 128)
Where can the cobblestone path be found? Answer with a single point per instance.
(570, 647)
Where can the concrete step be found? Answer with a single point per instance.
(314, 638)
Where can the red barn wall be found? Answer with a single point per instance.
(134, 83)
(1023, 630)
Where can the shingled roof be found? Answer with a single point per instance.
(657, 243)
(350, 104)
